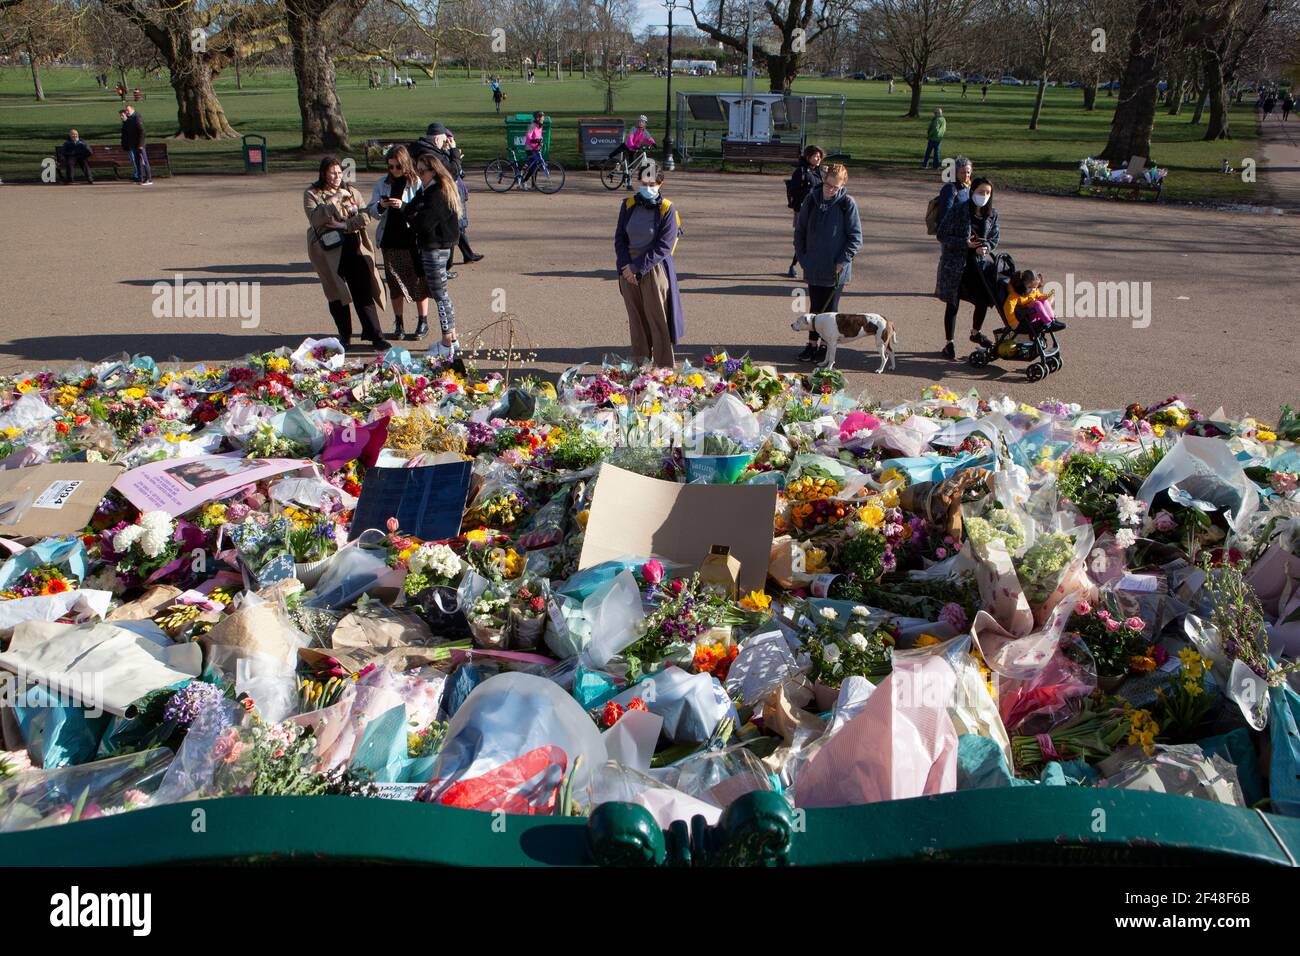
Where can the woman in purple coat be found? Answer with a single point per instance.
(643, 246)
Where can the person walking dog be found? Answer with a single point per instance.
(827, 235)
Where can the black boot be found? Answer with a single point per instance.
(399, 331)
(421, 328)
(342, 317)
(809, 352)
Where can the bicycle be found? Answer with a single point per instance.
(505, 172)
(620, 171)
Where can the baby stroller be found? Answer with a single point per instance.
(1035, 345)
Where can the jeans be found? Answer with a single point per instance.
(435, 275)
(931, 146)
(140, 170)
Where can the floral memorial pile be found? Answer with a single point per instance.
(407, 579)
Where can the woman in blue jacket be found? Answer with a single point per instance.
(827, 235)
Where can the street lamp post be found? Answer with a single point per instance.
(668, 98)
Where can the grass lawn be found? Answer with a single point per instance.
(994, 134)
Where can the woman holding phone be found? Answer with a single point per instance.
(434, 217)
(394, 236)
(338, 245)
(969, 236)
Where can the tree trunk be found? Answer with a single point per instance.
(1199, 89)
(782, 69)
(1175, 97)
(914, 108)
(239, 77)
(310, 32)
(1135, 108)
(1090, 96)
(36, 78)
(1217, 127)
(1038, 102)
(198, 111)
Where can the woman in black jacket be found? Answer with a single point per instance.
(807, 177)
(434, 217)
(969, 236)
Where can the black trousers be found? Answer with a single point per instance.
(356, 273)
(822, 298)
(81, 164)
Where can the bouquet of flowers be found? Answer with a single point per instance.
(489, 618)
(683, 611)
(527, 615)
(432, 565)
(853, 649)
(1116, 644)
(142, 548)
(39, 581)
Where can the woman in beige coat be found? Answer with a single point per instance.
(339, 246)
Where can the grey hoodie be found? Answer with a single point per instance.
(828, 233)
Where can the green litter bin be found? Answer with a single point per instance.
(254, 153)
(517, 128)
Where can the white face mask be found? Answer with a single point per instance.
(981, 199)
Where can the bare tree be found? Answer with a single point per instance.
(613, 39)
(1047, 22)
(914, 35)
(795, 25)
(39, 31)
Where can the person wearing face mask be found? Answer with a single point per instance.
(969, 237)
(644, 242)
(827, 235)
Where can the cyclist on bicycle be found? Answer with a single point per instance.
(533, 146)
(638, 139)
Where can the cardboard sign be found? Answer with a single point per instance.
(631, 514)
(427, 502)
(177, 485)
(52, 499)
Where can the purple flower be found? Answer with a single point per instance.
(188, 702)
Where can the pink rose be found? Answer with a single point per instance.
(652, 572)
(1104, 614)
(1083, 607)
(1112, 625)
(1135, 623)
(1165, 521)
(941, 552)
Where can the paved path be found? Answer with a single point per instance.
(81, 263)
(1279, 173)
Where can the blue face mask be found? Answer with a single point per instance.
(648, 192)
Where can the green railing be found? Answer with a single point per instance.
(1022, 825)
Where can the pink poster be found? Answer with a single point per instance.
(179, 484)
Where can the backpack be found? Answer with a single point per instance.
(664, 206)
(932, 213)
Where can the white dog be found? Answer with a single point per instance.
(837, 327)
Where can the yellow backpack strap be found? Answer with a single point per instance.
(664, 206)
(629, 202)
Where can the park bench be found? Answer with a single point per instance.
(737, 151)
(105, 157)
(1133, 189)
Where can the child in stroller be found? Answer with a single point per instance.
(1028, 332)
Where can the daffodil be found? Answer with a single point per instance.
(695, 380)
(26, 386)
(756, 601)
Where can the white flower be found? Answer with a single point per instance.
(1130, 509)
(831, 654)
(861, 610)
(128, 536)
(858, 640)
(438, 559)
(829, 613)
(1125, 537)
(159, 521)
(153, 542)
